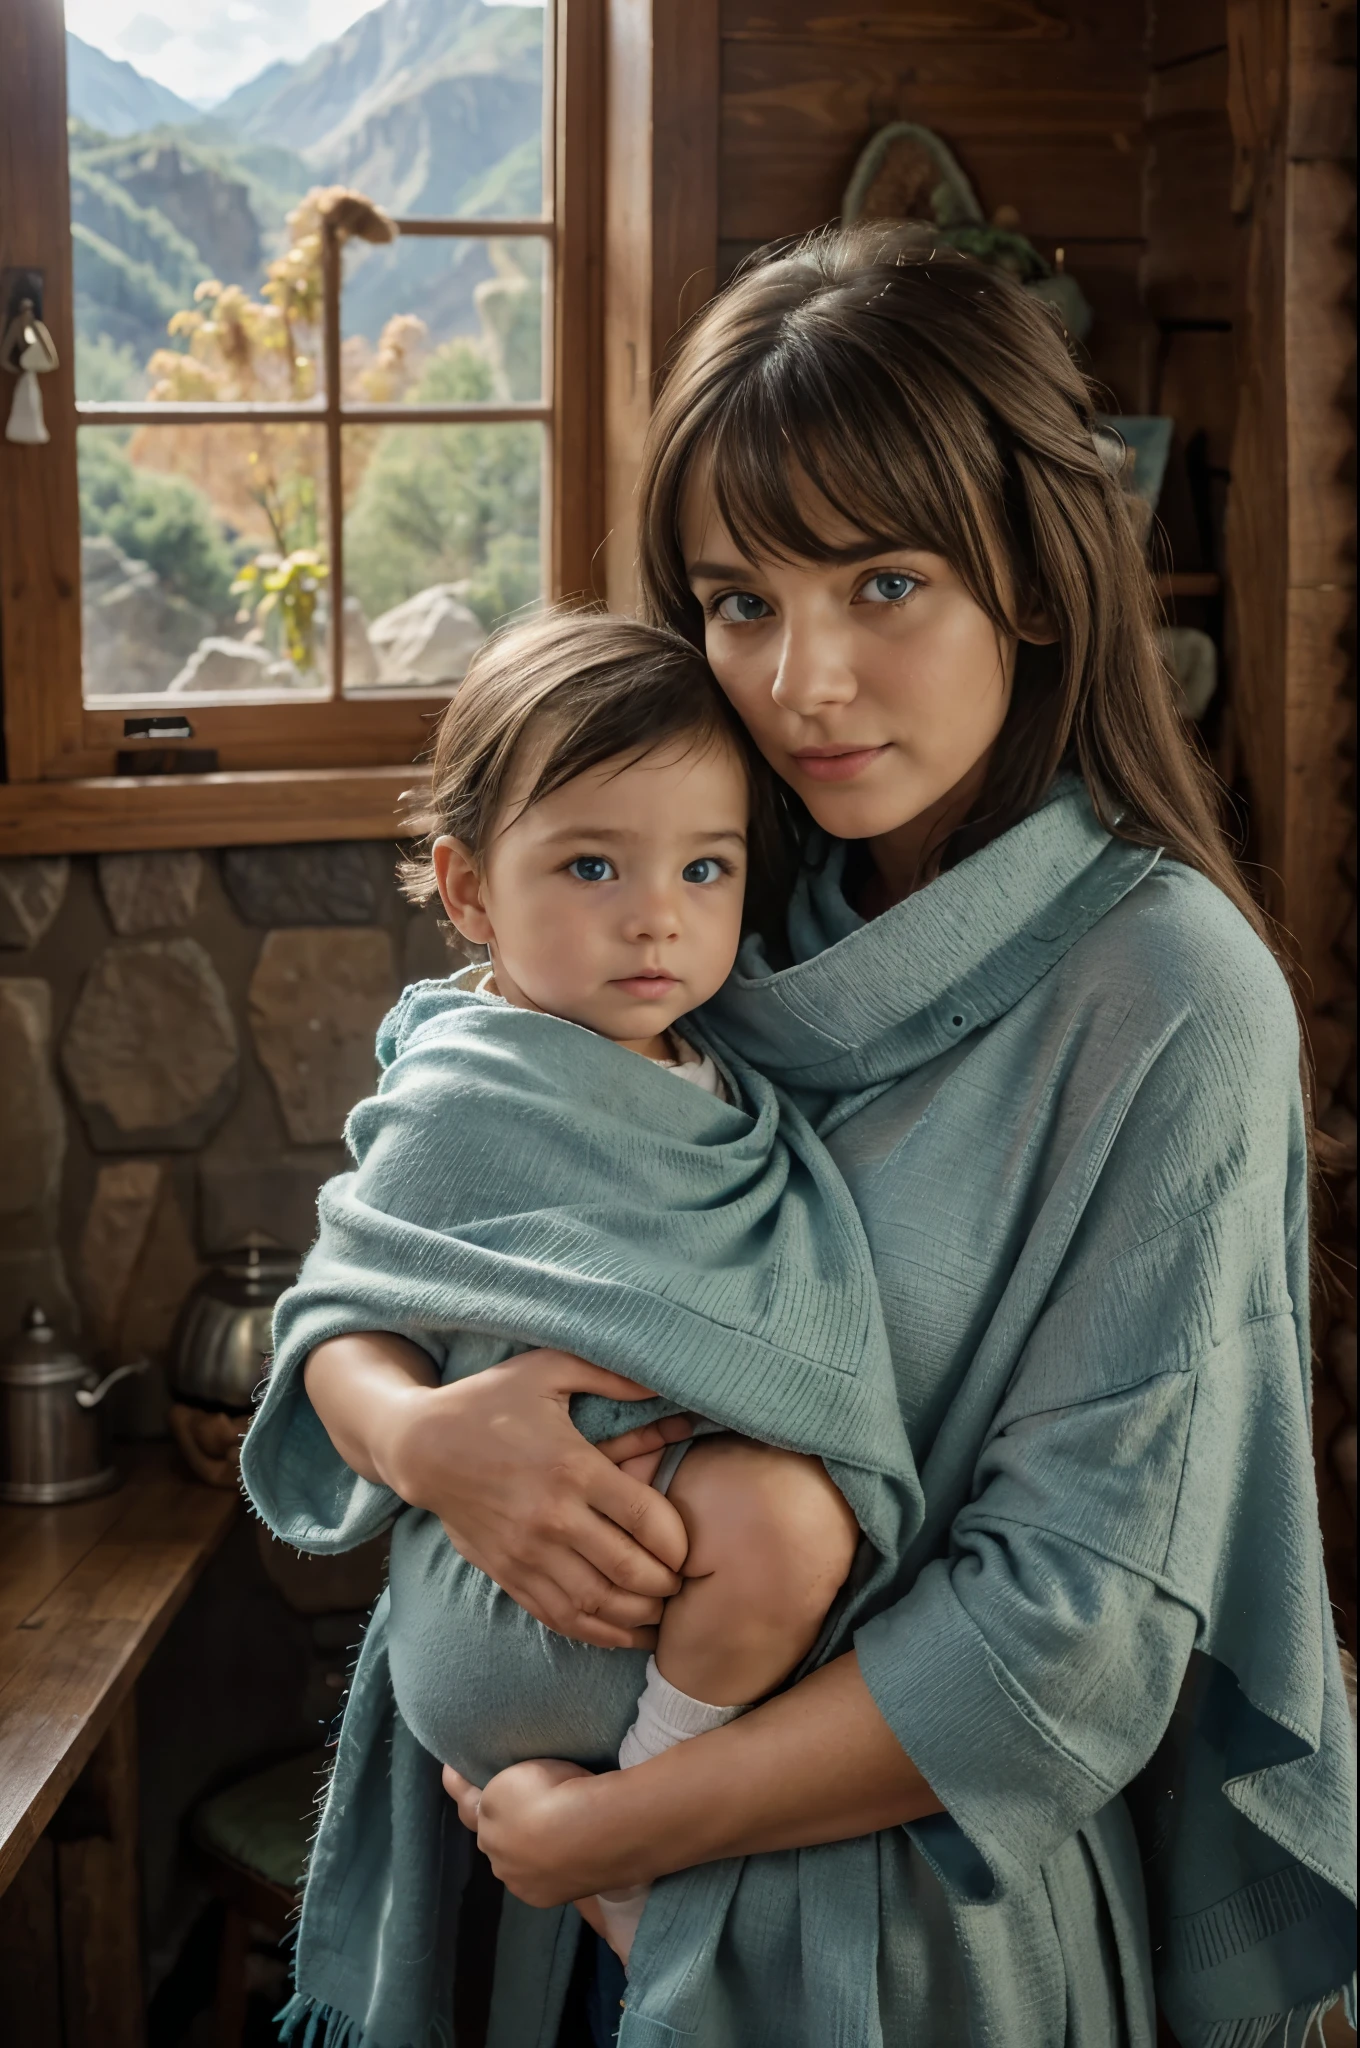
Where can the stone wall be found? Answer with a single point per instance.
(181, 1038)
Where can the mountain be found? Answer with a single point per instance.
(114, 97)
(428, 106)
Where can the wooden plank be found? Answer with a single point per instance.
(1194, 253)
(99, 1899)
(1320, 372)
(72, 1658)
(30, 1956)
(39, 508)
(1197, 385)
(660, 228)
(1321, 120)
(1186, 28)
(1054, 25)
(1318, 825)
(577, 482)
(125, 814)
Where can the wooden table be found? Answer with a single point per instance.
(86, 1593)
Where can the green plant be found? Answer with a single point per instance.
(160, 520)
(288, 585)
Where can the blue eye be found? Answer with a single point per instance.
(701, 871)
(741, 608)
(592, 867)
(889, 586)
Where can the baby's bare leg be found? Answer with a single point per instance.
(771, 1542)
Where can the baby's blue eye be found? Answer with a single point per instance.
(706, 870)
(592, 867)
(740, 607)
(888, 586)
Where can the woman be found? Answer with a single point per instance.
(1030, 1006)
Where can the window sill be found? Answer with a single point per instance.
(139, 814)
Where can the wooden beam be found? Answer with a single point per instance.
(136, 814)
(661, 228)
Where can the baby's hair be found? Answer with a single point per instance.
(578, 688)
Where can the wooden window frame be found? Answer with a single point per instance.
(312, 770)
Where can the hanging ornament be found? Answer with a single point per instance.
(27, 352)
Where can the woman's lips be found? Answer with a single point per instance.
(649, 987)
(837, 764)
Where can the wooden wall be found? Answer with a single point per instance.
(1042, 101)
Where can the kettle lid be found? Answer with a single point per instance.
(37, 1346)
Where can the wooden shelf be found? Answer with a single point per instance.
(266, 807)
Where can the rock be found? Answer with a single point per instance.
(220, 664)
(115, 1231)
(316, 1000)
(151, 1050)
(429, 639)
(136, 633)
(137, 1263)
(244, 1200)
(325, 884)
(32, 1120)
(31, 894)
(361, 662)
(147, 892)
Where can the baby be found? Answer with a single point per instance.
(598, 797)
(556, 1158)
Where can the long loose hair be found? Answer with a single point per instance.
(932, 403)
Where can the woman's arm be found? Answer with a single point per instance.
(584, 1547)
(817, 1764)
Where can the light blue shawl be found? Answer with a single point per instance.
(1061, 1085)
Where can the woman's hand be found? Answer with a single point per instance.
(581, 1544)
(815, 1764)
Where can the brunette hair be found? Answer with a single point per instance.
(584, 688)
(932, 403)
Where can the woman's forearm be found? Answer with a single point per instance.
(817, 1764)
(361, 1388)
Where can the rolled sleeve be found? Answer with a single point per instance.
(1031, 1674)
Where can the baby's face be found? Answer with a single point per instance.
(616, 901)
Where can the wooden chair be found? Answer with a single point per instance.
(250, 1842)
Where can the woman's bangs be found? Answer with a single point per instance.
(788, 465)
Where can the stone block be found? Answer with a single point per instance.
(31, 893)
(151, 1051)
(316, 1000)
(247, 1199)
(432, 949)
(219, 664)
(137, 1264)
(32, 1119)
(304, 885)
(148, 892)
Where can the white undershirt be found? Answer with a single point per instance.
(692, 1066)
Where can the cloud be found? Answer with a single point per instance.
(144, 35)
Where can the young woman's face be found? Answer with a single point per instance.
(876, 687)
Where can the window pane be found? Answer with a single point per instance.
(198, 129)
(442, 530)
(203, 561)
(431, 320)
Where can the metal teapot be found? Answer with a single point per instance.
(51, 1440)
(220, 1349)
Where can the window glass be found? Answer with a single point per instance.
(442, 540)
(206, 144)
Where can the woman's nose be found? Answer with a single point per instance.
(814, 669)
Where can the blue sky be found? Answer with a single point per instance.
(204, 49)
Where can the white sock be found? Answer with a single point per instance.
(665, 1716)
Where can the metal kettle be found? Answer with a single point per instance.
(220, 1349)
(51, 1440)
